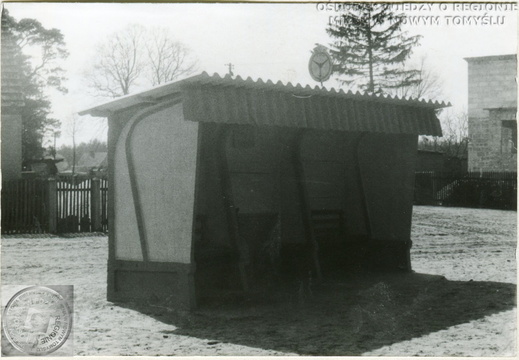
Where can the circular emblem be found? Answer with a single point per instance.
(320, 65)
(37, 320)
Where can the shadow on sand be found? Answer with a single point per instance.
(346, 316)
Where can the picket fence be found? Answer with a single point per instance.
(71, 205)
(61, 205)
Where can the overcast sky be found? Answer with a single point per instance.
(271, 41)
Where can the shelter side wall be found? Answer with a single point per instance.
(130, 276)
(164, 148)
(387, 164)
(332, 176)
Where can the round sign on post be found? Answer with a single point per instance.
(320, 64)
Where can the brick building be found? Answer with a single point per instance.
(492, 113)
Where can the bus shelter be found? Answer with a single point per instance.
(222, 184)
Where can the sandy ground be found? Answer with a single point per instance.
(461, 300)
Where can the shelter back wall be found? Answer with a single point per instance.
(261, 173)
(264, 180)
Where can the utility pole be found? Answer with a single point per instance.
(74, 130)
(57, 134)
(231, 66)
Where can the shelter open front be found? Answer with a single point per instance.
(289, 204)
(226, 186)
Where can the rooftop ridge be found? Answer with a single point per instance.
(316, 90)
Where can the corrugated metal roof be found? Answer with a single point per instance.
(237, 101)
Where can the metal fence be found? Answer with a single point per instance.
(61, 205)
(492, 190)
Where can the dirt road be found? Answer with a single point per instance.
(460, 302)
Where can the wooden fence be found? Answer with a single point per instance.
(62, 205)
(69, 205)
(493, 190)
(24, 207)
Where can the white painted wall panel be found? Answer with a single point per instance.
(165, 149)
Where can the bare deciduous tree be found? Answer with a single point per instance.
(72, 131)
(118, 63)
(168, 59)
(454, 141)
(429, 84)
(456, 136)
(138, 56)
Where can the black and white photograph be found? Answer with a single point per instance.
(259, 179)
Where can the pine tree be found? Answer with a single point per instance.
(370, 48)
(38, 73)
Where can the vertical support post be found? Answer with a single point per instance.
(95, 204)
(52, 205)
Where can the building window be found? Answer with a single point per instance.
(509, 136)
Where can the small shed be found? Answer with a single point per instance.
(430, 160)
(92, 160)
(221, 184)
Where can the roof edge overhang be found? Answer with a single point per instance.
(154, 94)
(150, 96)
